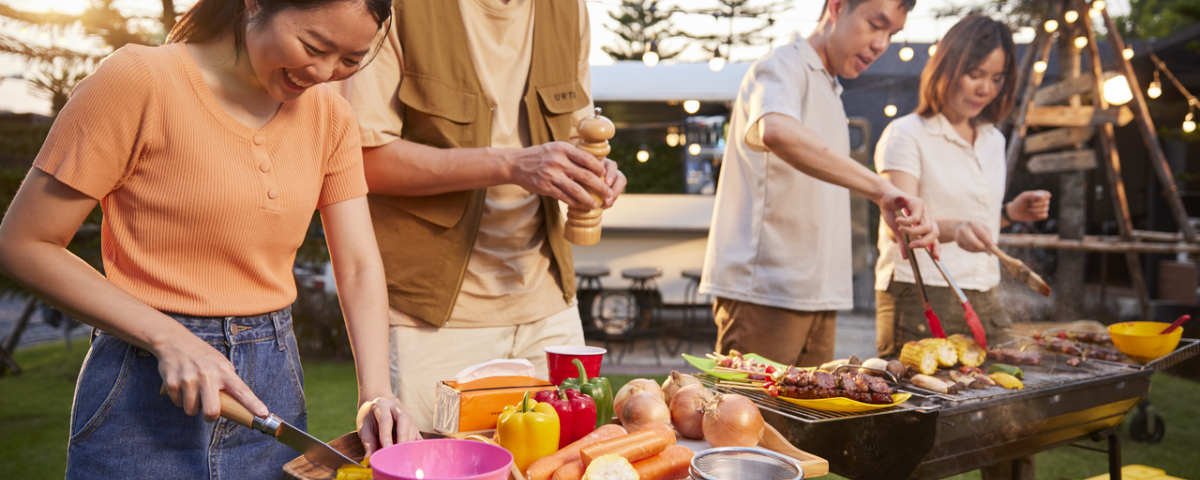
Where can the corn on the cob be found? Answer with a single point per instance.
(946, 355)
(969, 352)
(920, 356)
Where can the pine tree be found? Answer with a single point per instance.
(639, 24)
(731, 10)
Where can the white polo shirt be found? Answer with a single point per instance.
(957, 180)
(779, 237)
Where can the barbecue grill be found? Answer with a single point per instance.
(938, 435)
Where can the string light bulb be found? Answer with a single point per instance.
(694, 149)
(650, 58)
(1189, 126)
(1080, 42)
(1094, 13)
(1051, 25)
(717, 62)
(1071, 16)
(672, 139)
(1127, 53)
(1155, 88)
(933, 49)
(1028, 31)
(906, 53)
(691, 106)
(1098, 5)
(889, 110)
(1039, 66)
(1116, 90)
(643, 155)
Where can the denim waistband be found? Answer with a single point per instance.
(237, 330)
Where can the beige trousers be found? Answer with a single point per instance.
(786, 336)
(423, 356)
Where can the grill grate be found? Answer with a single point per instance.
(1053, 372)
(766, 402)
(1188, 348)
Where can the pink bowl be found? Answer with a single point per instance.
(442, 460)
(558, 361)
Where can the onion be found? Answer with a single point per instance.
(675, 382)
(642, 408)
(732, 421)
(687, 410)
(634, 386)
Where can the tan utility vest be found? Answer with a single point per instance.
(426, 241)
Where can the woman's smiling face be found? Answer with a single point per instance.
(296, 48)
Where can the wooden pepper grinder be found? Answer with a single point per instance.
(583, 226)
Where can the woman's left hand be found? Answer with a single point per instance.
(383, 422)
(1029, 206)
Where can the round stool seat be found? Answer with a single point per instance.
(600, 271)
(693, 273)
(644, 273)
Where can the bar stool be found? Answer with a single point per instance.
(647, 300)
(695, 325)
(587, 291)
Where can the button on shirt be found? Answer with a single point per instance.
(957, 180)
(781, 238)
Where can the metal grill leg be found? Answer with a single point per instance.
(1114, 456)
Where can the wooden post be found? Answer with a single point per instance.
(1112, 164)
(1149, 135)
(1072, 189)
(1038, 51)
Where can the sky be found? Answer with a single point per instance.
(802, 17)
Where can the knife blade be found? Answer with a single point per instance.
(285, 433)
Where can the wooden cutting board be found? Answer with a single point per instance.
(813, 465)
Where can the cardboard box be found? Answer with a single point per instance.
(476, 405)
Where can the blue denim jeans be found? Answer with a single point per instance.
(121, 427)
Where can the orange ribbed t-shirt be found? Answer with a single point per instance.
(202, 214)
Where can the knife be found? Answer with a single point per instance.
(284, 432)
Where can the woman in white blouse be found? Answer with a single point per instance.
(950, 154)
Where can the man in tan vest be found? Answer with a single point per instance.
(467, 118)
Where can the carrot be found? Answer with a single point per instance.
(545, 467)
(673, 463)
(633, 447)
(663, 429)
(571, 471)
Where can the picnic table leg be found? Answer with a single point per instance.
(8, 361)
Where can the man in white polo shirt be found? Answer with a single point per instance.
(778, 259)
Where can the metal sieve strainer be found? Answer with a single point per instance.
(739, 463)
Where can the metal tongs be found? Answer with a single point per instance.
(935, 325)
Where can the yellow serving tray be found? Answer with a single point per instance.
(845, 405)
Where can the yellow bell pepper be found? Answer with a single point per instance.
(1007, 381)
(529, 431)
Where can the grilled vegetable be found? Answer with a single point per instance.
(930, 383)
(896, 368)
(831, 366)
(982, 379)
(969, 351)
(1007, 381)
(1009, 369)
(966, 379)
(946, 355)
(920, 356)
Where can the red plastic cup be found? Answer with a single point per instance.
(558, 360)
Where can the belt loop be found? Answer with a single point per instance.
(278, 321)
(92, 337)
(227, 331)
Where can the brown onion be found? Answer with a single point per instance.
(687, 410)
(642, 408)
(675, 382)
(732, 421)
(634, 386)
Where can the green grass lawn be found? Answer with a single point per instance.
(35, 410)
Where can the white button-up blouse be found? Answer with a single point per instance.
(957, 180)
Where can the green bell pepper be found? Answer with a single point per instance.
(597, 388)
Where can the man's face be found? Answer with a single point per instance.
(862, 35)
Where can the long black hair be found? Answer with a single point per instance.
(210, 19)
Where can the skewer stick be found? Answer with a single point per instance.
(734, 386)
(1021, 272)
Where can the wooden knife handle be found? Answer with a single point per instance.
(233, 410)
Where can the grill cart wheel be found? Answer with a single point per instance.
(1147, 426)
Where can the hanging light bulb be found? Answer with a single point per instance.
(1094, 13)
(672, 139)
(691, 106)
(889, 110)
(1028, 31)
(694, 149)
(1116, 90)
(643, 155)
(1127, 53)
(933, 49)
(1039, 66)
(1071, 16)
(1188, 125)
(1155, 88)
(717, 62)
(1098, 5)
(1080, 42)
(1051, 26)
(906, 53)
(650, 58)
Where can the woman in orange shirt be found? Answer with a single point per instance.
(208, 157)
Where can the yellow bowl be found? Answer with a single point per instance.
(1142, 341)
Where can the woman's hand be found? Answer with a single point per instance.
(194, 373)
(974, 237)
(1029, 206)
(383, 422)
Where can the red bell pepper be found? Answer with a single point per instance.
(576, 413)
